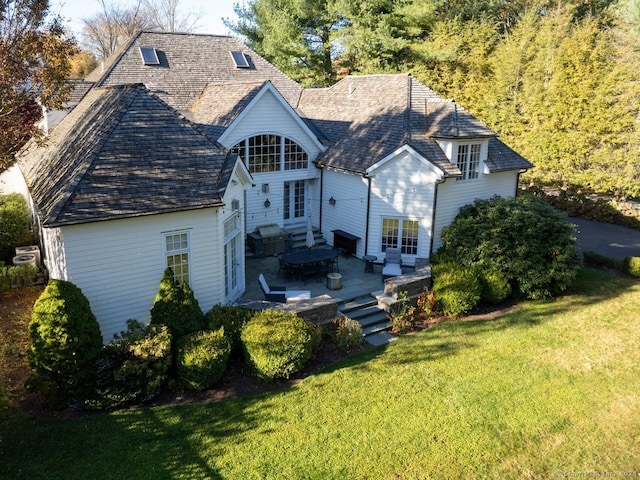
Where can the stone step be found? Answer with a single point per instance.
(380, 338)
(357, 304)
(373, 318)
(364, 313)
(375, 328)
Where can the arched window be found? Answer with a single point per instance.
(271, 153)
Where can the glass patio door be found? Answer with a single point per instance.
(294, 202)
(232, 260)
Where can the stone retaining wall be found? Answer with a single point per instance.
(412, 284)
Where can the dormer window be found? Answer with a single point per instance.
(149, 56)
(468, 160)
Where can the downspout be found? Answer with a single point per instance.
(433, 216)
(366, 233)
(520, 172)
(321, 197)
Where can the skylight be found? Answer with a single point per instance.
(240, 59)
(149, 56)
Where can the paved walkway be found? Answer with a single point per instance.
(605, 239)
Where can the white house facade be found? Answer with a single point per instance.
(174, 162)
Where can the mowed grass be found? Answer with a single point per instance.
(548, 389)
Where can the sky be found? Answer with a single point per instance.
(210, 12)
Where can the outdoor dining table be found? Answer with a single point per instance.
(309, 261)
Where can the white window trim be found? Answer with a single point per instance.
(187, 250)
(466, 172)
(401, 221)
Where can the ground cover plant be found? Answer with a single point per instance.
(545, 389)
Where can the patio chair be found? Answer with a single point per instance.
(281, 294)
(392, 263)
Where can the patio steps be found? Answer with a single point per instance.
(372, 318)
(298, 237)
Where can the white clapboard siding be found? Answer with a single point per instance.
(270, 115)
(350, 210)
(119, 264)
(403, 188)
(454, 194)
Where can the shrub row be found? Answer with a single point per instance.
(71, 365)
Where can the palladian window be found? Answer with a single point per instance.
(271, 153)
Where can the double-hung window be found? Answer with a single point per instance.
(401, 233)
(468, 160)
(177, 255)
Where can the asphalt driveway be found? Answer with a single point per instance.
(605, 239)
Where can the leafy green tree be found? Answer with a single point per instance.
(295, 35)
(34, 61)
(525, 239)
(65, 341)
(561, 95)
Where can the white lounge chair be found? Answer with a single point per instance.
(281, 294)
(392, 263)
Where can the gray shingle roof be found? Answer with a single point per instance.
(447, 119)
(123, 153)
(502, 158)
(221, 103)
(188, 63)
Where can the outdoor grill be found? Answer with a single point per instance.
(267, 240)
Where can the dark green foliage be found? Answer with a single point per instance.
(457, 288)
(232, 318)
(277, 344)
(631, 266)
(597, 260)
(14, 224)
(5, 282)
(495, 286)
(23, 275)
(524, 238)
(65, 340)
(176, 307)
(202, 358)
(133, 367)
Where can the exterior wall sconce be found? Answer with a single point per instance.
(267, 203)
(332, 201)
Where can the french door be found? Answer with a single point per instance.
(294, 201)
(232, 259)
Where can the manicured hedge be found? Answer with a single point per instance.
(277, 344)
(202, 358)
(65, 341)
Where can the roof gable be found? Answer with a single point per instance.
(253, 102)
(122, 153)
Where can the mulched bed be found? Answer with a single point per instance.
(15, 312)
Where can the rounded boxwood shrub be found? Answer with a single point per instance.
(65, 341)
(202, 358)
(495, 286)
(277, 344)
(457, 288)
(631, 265)
(232, 318)
(133, 367)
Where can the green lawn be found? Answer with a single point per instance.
(550, 387)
